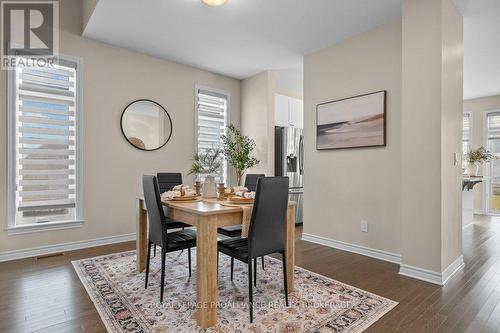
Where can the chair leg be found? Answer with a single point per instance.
(154, 255)
(263, 262)
(255, 272)
(250, 290)
(147, 265)
(189, 261)
(163, 253)
(285, 282)
(232, 268)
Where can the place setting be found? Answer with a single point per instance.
(183, 193)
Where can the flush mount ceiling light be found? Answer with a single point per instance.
(214, 3)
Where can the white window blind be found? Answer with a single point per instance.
(466, 133)
(212, 116)
(45, 142)
(493, 133)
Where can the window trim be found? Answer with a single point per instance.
(197, 87)
(12, 228)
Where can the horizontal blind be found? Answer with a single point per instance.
(466, 133)
(494, 125)
(45, 142)
(211, 110)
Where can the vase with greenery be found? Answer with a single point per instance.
(476, 157)
(238, 150)
(208, 163)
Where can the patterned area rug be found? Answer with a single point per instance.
(318, 304)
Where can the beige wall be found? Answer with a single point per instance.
(431, 105)
(343, 187)
(451, 133)
(257, 118)
(409, 191)
(112, 77)
(421, 184)
(479, 107)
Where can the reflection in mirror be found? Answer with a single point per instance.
(146, 125)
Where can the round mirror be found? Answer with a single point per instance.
(146, 125)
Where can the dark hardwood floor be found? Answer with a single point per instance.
(45, 295)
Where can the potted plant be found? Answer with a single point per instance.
(207, 163)
(477, 157)
(238, 150)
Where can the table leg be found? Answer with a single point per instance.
(206, 271)
(290, 246)
(141, 244)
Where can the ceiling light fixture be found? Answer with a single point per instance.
(214, 3)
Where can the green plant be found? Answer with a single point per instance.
(208, 162)
(480, 155)
(238, 149)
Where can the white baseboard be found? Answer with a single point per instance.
(56, 248)
(432, 276)
(366, 251)
(406, 270)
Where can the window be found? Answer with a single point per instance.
(44, 162)
(493, 168)
(212, 109)
(466, 133)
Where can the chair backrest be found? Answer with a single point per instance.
(267, 226)
(167, 180)
(155, 210)
(251, 180)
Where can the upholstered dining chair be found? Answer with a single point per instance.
(166, 182)
(235, 230)
(266, 232)
(158, 235)
(251, 181)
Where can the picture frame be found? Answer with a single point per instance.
(353, 122)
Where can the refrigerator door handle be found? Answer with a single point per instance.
(301, 155)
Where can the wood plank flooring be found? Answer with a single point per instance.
(45, 295)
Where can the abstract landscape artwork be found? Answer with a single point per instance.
(352, 122)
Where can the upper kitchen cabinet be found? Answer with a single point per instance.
(289, 112)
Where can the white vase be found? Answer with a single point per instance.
(209, 188)
(473, 169)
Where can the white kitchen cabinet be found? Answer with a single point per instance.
(289, 112)
(281, 111)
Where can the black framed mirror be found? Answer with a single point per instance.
(146, 125)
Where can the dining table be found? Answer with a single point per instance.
(206, 216)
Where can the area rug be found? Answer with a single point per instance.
(318, 304)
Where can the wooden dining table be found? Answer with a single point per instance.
(207, 216)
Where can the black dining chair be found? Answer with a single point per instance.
(166, 182)
(251, 180)
(158, 235)
(235, 230)
(266, 233)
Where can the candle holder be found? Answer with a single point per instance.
(197, 187)
(222, 191)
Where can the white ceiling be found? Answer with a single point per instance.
(239, 39)
(245, 37)
(482, 47)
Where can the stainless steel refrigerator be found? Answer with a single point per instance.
(289, 161)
